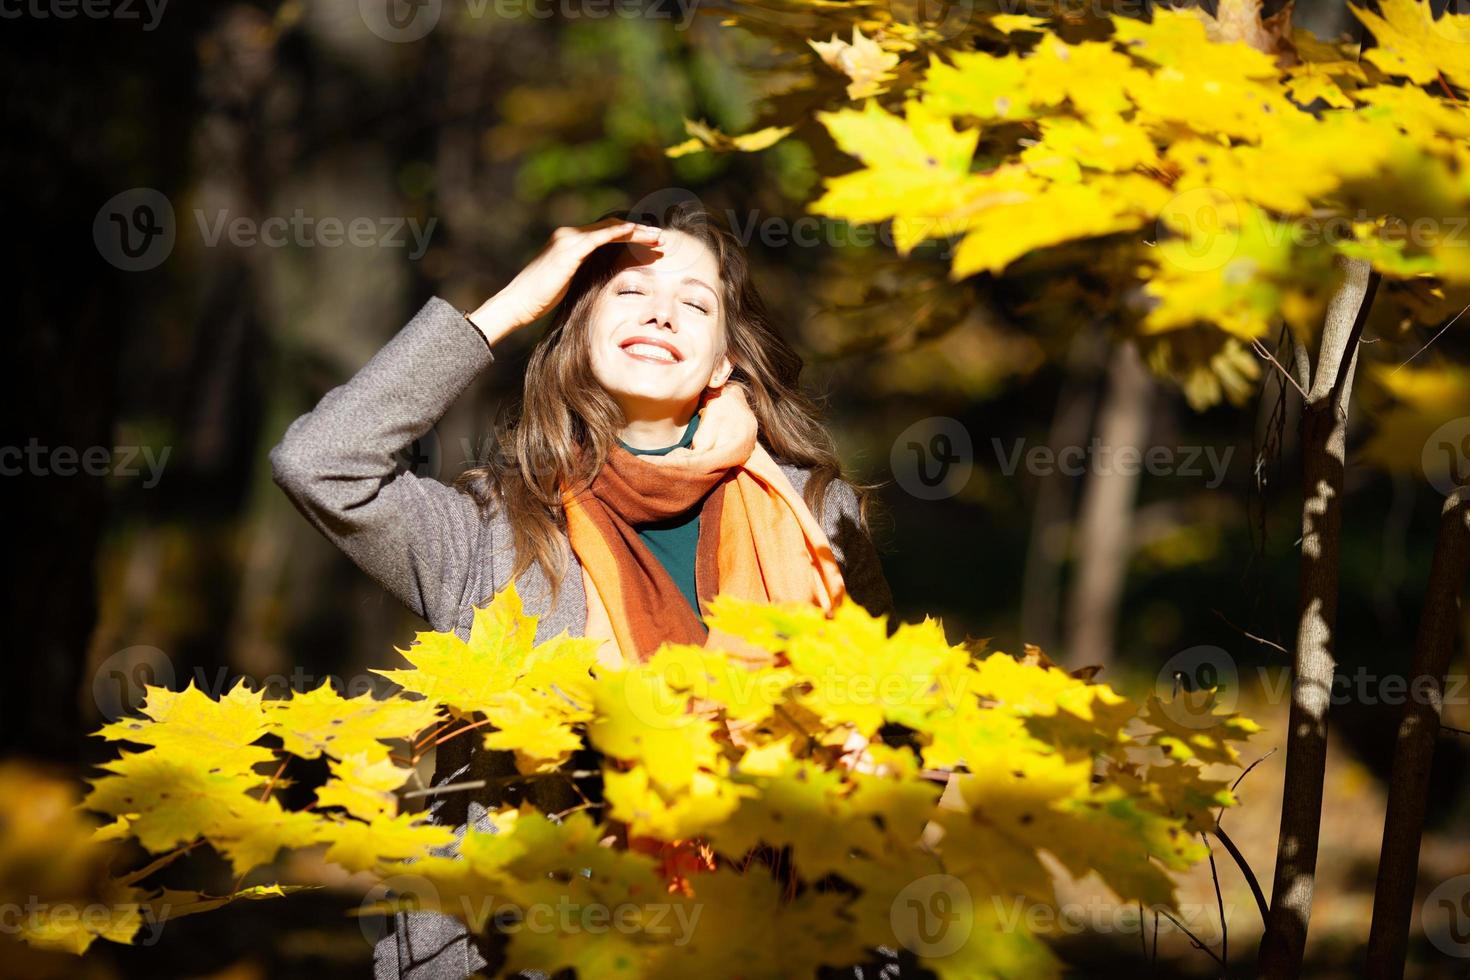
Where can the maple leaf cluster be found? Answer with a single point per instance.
(879, 767)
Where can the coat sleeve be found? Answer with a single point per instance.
(414, 535)
(862, 571)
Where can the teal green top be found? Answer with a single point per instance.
(674, 541)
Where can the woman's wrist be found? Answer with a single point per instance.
(492, 320)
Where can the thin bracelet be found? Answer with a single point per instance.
(476, 327)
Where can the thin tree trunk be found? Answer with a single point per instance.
(1045, 550)
(1398, 864)
(1105, 527)
(1323, 451)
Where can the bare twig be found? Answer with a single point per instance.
(1446, 86)
(1195, 940)
(1430, 341)
(1247, 773)
(588, 805)
(1260, 349)
(1142, 932)
(1245, 869)
(498, 781)
(434, 732)
(1251, 636)
(133, 877)
(271, 785)
(1220, 904)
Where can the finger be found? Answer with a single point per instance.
(630, 232)
(608, 222)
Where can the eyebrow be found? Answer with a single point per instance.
(643, 270)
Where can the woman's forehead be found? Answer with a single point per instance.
(678, 255)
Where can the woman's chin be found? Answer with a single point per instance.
(650, 395)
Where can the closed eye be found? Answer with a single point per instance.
(639, 292)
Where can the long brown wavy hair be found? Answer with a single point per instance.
(563, 410)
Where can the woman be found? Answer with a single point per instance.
(662, 453)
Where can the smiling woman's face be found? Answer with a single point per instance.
(657, 330)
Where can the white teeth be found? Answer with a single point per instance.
(650, 350)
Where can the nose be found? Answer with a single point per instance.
(661, 307)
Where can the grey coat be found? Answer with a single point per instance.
(432, 547)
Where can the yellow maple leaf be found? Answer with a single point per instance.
(363, 785)
(190, 722)
(1179, 40)
(977, 84)
(251, 834)
(1422, 428)
(1179, 791)
(1416, 45)
(862, 60)
(361, 846)
(707, 801)
(319, 721)
(1189, 728)
(997, 236)
(915, 166)
(65, 927)
(705, 137)
(1089, 75)
(169, 796)
(641, 719)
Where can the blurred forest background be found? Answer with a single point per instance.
(496, 129)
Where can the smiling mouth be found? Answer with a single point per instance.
(651, 352)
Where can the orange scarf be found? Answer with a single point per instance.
(757, 538)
